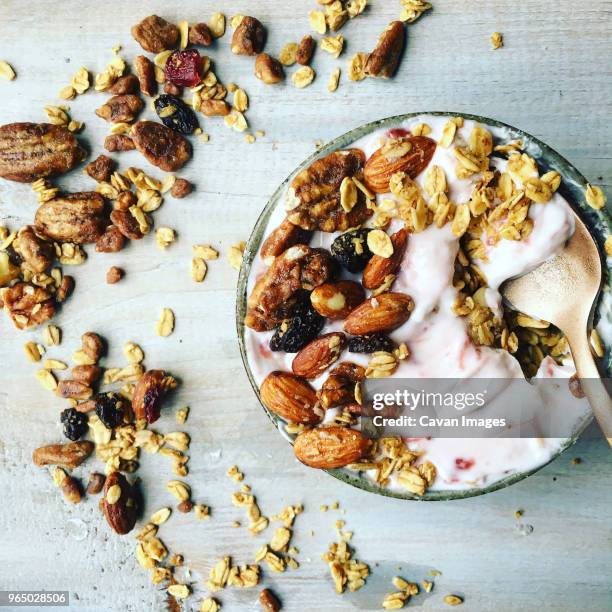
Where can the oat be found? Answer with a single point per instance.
(6, 71)
(235, 474)
(356, 67)
(249, 138)
(413, 9)
(345, 570)
(179, 489)
(448, 134)
(217, 25)
(46, 379)
(201, 511)
(303, 77)
(461, 220)
(198, 269)
(32, 351)
(210, 605)
(317, 21)
(355, 7)
(453, 600)
(235, 255)
(287, 54)
(236, 120)
(395, 601)
(164, 236)
(67, 93)
(80, 81)
(54, 364)
(334, 79)
(260, 133)
(380, 243)
(595, 197)
(241, 100)
(56, 115)
(165, 324)
(133, 353)
(178, 439)
(161, 516)
(596, 344)
(497, 40)
(421, 129)
(333, 45)
(608, 246)
(180, 591)
(381, 365)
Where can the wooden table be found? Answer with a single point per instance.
(552, 78)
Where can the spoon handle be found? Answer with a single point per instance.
(591, 382)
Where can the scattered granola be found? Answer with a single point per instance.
(497, 40)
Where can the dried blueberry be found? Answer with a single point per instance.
(109, 408)
(351, 249)
(75, 423)
(370, 343)
(294, 333)
(175, 114)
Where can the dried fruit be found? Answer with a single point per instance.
(283, 237)
(351, 250)
(268, 69)
(291, 398)
(337, 300)
(145, 73)
(184, 68)
(409, 154)
(110, 408)
(75, 217)
(175, 114)
(200, 34)
(305, 50)
(149, 393)
(296, 332)
(162, 146)
(384, 312)
(155, 34)
(119, 109)
(313, 200)
(318, 355)
(27, 305)
(380, 268)
(384, 60)
(249, 37)
(330, 447)
(118, 503)
(69, 455)
(371, 343)
(75, 423)
(30, 151)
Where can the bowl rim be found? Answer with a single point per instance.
(550, 159)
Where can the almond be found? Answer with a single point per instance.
(378, 268)
(318, 355)
(330, 447)
(384, 312)
(291, 398)
(337, 300)
(118, 503)
(382, 166)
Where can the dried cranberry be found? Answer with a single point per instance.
(464, 464)
(398, 133)
(175, 114)
(184, 68)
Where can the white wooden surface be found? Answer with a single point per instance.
(552, 79)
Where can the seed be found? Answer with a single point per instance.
(165, 324)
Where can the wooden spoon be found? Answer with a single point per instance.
(563, 291)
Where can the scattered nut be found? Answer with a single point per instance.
(268, 69)
(69, 455)
(96, 483)
(181, 188)
(114, 275)
(268, 601)
(145, 72)
(305, 50)
(101, 168)
(200, 34)
(249, 37)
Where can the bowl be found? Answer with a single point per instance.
(572, 188)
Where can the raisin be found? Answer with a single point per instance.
(109, 408)
(184, 68)
(295, 333)
(351, 250)
(75, 423)
(370, 344)
(175, 114)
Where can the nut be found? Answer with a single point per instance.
(127, 224)
(65, 289)
(93, 345)
(101, 168)
(384, 60)
(172, 89)
(75, 217)
(283, 237)
(155, 34)
(384, 312)
(268, 69)
(291, 398)
(330, 447)
(311, 361)
(125, 85)
(37, 253)
(30, 151)
(118, 142)
(118, 503)
(145, 71)
(114, 275)
(185, 506)
(149, 393)
(162, 146)
(340, 387)
(65, 455)
(200, 34)
(337, 300)
(380, 268)
(71, 490)
(73, 389)
(86, 374)
(111, 241)
(27, 305)
(121, 109)
(249, 37)
(96, 483)
(305, 50)
(268, 601)
(181, 188)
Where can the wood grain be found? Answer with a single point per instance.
(552, 78)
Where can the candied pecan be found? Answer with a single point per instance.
(149, 393)
(181, 188)
(111, 241)
(145, 71)
(69, 455)
(27, 305)
(199, 34)
(284, 236)
(65, 289)
(124, 85)
(277, 292)
(96, 483)
(121, 108)
(87, 374)
(126, 224)
(75, 217)
(155, 34)
(172, 89)
(339, 388)
(314, 196)
(93, 345)
(101, 168)
(385, 58)
(249, 37)
(162, 146)
(118, 142)
(125, 200)
(215, 108)
(114, 275)
(86, 406)
(269, 601)
(73, 389)
(268, 69)
(305, 50)
(37, 254)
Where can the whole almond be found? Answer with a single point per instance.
(385, 58)
(318, 355)
(380, 167)
(378, 268)
(384, 312)
(291, 398)
(118, 503)
(330, 447)
(65, 455)
(337, 300)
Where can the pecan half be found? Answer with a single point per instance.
(65, 289)
(313, 200)
(215, 108)
(93, 345)
(149, 393)
(118, 142)
(65, 455)
(284, 236)
(145, 72)
(27, 305)
(162, 146)
(101, 168)
(125, 85)
(111, 241)
(126, 223)
(385, 58)
(75, 217)
(37, 254)
(118, 503)
(249, 37)
(29, 151)
(87, 374)
(155, 34)
(181, 188)
(73, 389)
(121, 108)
